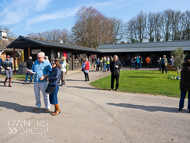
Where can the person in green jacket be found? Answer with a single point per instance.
(104, 64)
(108, 63)
(164, 63)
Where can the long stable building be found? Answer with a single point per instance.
(75, 55)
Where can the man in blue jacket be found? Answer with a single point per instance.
(42, 69)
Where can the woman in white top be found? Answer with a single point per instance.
(63, 71)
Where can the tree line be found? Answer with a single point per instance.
(92, 28)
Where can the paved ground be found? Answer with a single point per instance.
(91, 116)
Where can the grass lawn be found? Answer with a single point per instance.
(150, 82)
(19, 77)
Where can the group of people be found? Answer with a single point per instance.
(64, 68)
(136, 62)
(103, 63)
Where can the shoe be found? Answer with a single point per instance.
(111, 89)
(36, 109)
(116, 89)
(63, 85)
(24, 82)
(46, 110)
(57, 110)
(30, 82)
(180, 109)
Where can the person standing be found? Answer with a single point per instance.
(54, 80)
(141, 62)
(108, 63)
(138, 63)
(86, 68)
(97, 64)
(101, 64)
(63, 71)
(8, 66)
(29, 64)
(42, 68)
(104, 64)
(115, 67)
(147, 62)
(164, 63)
(185, 86)
(1, 64)
(131, 63)
(134, 62)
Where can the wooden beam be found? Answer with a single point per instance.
(14, 58)
(28, 52)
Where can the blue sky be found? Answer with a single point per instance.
(26, 16)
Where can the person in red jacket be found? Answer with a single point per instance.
(85, 68)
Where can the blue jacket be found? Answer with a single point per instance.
(55, 76)
(98, 62)
(137, 60)
(1, 62)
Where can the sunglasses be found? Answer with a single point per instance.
(39, 57)
(53, 64)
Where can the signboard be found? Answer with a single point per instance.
(36, 51)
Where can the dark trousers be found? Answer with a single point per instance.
(86, 76)
(113, 77)
(97, 67)
(137, 67)
(0, 70)
(182, 98)
(164, 67)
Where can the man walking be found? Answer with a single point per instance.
(115, 70)
(97, 64)
(42, 69)
(164, 63)
(29, 64)
(86, 68)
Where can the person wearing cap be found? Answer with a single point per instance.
(8, 66)
(164, 63)
(29, 64)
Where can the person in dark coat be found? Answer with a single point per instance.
(8, 66)
(115, 67)
(54, 80)
(29, 64)
(185, 86)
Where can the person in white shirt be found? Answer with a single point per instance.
(63, 72)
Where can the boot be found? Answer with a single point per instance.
(10, 83)
(5, 82)
(57, 110)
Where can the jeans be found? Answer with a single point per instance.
(182, 98)
(41, 86)
(104, 67)
(108, 65)
(27, 75)
(86, 76)
(53, 97)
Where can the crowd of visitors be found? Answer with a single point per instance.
(47, 76)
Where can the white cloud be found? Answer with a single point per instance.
(16, 11)
(52, 16)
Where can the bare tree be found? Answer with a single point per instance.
(150, 26)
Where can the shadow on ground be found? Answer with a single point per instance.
(18, 107)
(146, 108)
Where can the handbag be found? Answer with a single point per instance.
(50, 89)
